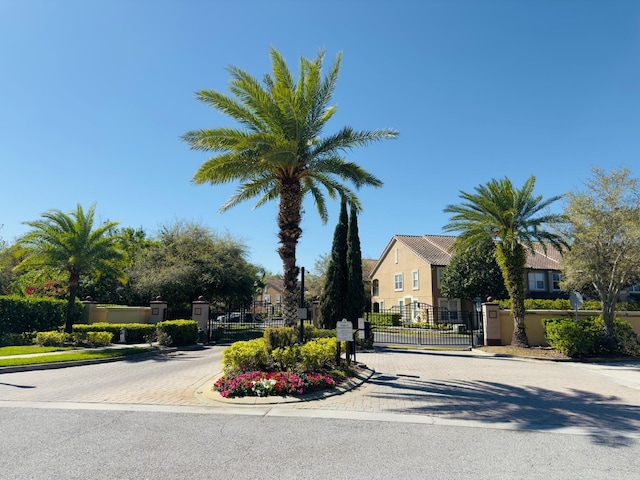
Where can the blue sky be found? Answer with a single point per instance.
(95, 95)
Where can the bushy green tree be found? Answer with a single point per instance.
(474, 273)
(511, 218)
(189, 260)
(604, 233)
(279, 153)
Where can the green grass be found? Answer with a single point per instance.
(72, 356)
(26, 349)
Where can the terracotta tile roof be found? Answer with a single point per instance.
(539, 260)
(434, 250)
(274, 284)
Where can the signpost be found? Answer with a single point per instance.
(576, 301)
(344, 333)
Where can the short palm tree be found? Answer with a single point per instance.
(512, 218)
(69, 244)
(279, 154)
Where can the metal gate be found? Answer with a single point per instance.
(422, 324)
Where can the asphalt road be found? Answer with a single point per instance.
(101, 444)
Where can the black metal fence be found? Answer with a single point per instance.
(243, 322)
(423, 324)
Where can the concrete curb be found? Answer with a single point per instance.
(207, 395)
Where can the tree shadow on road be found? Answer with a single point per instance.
(526, 407)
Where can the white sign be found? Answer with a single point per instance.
(344, 330)
(361, 328)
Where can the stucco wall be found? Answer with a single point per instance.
(117, 314)
(407, 263)
(535, 330)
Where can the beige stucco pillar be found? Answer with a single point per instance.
(491, 323)
(200, 313)
(158, 310)
(89, 305)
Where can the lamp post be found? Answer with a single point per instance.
(255, 289)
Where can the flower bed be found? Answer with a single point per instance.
(263, 384)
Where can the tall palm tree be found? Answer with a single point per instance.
(279, 154)
(512, 218)
(68, 243)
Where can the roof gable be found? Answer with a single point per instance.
(436, 250)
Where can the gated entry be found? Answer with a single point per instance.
(423, 324)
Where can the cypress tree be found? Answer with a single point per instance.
(334, 295)
(355, 287)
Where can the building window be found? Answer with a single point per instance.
(398, 282)
(556, 278)
(278, 297)
(439, 275)
(449, 309)
(396, 255)
(267, 298)
(381, 305)
(634, 289)
(376, 288)
(536, 281)
(415, 280)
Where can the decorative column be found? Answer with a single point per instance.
(89, 305)
(158, 310)
(491, 323)
(200, 313)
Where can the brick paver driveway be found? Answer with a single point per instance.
(465, 386)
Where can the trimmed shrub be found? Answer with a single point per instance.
(575, 338)
(179, 332)
(135, 332)
(279, 337)
(564, 304)
(247, 356)
(311, 332)
(385, 319)
(586, 337)
(17, 339)
(99, 339)
(627, 340)
(19, 315)
(50, 339)
(286, 358)
(318, 355)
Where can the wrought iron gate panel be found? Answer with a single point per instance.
(423, 324)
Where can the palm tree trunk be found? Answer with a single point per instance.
(289, 223)
(74, 281)
(512, 264)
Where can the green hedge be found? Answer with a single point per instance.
(135, 332)
(382, 319)
(20, 315)
(177, 333)
(563, 304)
(585, 337)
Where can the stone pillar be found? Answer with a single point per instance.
(491, 323)
(89, 305)
(200, 313)
(158, 310)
